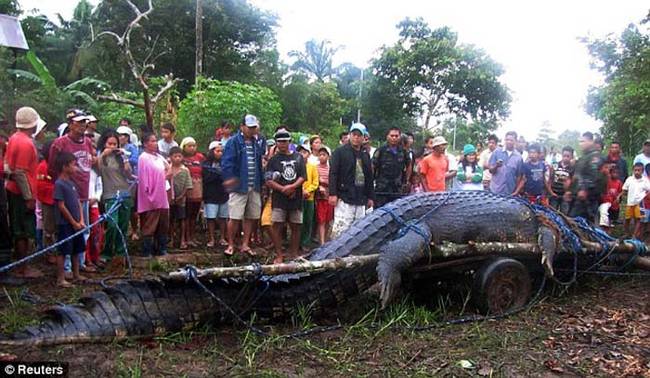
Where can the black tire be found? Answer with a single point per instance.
(501, 285)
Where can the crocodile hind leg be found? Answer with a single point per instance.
(397, 256)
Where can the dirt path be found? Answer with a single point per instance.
(601, 327)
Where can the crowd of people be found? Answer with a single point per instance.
(249, 189)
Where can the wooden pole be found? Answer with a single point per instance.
(199, 41)
(445, 251)
(277, 269)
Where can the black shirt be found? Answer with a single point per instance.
(290, 168)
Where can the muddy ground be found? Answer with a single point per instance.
(599, 327)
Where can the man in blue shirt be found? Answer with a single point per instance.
(505, 166)
(242, 173)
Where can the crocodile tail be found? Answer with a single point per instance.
(130, 309)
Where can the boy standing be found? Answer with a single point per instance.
(167, 131)
(533, 182)
(285, 174)
(68, 217)
(182, 183)
(635, 187)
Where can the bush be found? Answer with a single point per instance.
(212, 101)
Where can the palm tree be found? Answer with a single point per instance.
(316, 60)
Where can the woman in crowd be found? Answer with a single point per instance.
(116, 172)
(153, 201)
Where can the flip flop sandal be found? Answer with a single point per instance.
(229, 251)
(249, 252)
(65, 284)
(210, 244)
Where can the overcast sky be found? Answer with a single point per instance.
(547, 68)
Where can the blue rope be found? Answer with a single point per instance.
(106, 216)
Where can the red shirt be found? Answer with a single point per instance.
(434, 168)
(44, 184)
(614, 188)
(21, 155)
(193, 163)
(83, 151)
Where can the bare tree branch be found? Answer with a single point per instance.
(169, 85)
(120, 100)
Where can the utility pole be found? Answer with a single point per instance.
(360, 92)
(199, 41)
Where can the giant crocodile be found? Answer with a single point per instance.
(401, 231)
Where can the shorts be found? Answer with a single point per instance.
(603, 212)
(22, 220)
(177, 212)
(633, 211)
(74, 246)
(324, 211)
(215, 210)
(245, 205)
(282, 215)
(645, 215)
(344, 215)
(266, 214)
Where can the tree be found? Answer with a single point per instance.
(459, 132)
(622, 103)
(545, 134)
(569, 138)
(316, 60)
(139, 68)
(313, 108)
(212, 101)
(435, 76)
(348, 81)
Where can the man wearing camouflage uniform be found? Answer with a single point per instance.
(588, 182)
(391, 168)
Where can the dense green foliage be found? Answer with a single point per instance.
(203, 109)
(309, 94)
(622, 103)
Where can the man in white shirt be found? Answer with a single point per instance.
(484, 159)
(644, 157)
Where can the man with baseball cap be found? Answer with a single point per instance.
(644, 157)
(242, 173)
(21, 159)
(435, 166)
(351, 181)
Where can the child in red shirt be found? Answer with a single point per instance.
(609, 206)
(44, 195)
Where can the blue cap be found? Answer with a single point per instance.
(360, 127)
(469, 149)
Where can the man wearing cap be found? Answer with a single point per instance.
(285, 174)
(75, 142)
(391, 168)
(351, 187)
(21, 160)
(242, 173)
(506, 166)
(434, 166)
(644, 157)
(91, 129)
